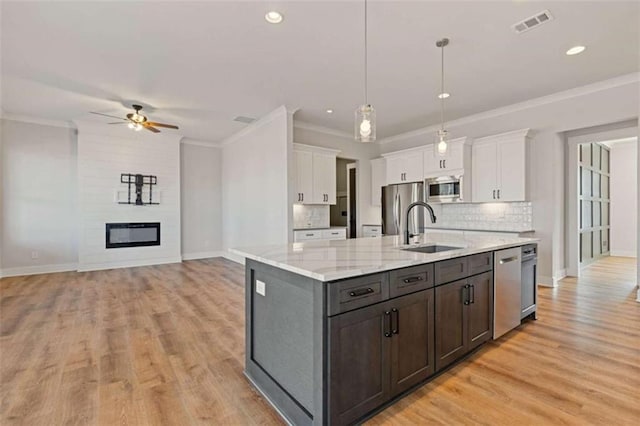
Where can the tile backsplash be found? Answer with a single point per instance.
(308, 216)
(516, 217)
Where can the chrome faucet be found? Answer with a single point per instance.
(407, 234)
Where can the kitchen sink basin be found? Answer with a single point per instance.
(435, 248)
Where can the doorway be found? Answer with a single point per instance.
(339, 213)
(352, 200)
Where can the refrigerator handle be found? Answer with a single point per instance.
(396, 214)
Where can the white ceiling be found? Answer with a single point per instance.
(201, 64)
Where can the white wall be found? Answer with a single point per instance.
(201, 199)
(38, 204)
(255, 174)
(606, 102)
(624, 203)
(103, 154)
(367, 214)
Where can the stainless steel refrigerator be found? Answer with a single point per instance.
(395, 200)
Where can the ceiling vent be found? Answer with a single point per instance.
(243, 119)
(532, 22)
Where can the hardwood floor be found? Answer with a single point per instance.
(165, 345)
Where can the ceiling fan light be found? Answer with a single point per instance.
(138, 127)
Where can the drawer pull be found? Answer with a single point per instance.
(508, 259)
(413, 279)
(360, 292)
(309, 235)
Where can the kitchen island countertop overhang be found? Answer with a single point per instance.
(341, 259)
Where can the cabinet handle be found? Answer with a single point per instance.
(508, 259)
(440, 163)
(498, 194)
(396, 329)
(494, 194)
(465, 299)
(444, 164)
(299, 197)
(302, 195)
(473, 294)
(387, 324)
(412, 279)
(308, 235)
(360, 292)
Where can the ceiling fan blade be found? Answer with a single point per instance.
(119, 122)
(168, 126)
(151, 128)
(107, 115)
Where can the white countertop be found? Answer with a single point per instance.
(333, 260)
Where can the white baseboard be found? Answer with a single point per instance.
(623, 253)
(127, 264)
(545, 281)
(39, 269)
(233, 257)
(202, 255)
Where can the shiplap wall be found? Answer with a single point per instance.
(103, 154)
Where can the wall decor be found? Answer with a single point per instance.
(138, 181)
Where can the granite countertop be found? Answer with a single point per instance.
(333, 260)
(322, 228)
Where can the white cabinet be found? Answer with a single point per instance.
(301, 235)
(369, 231)
(378, 175)
(405, 166)
(456, 161)
(499, 167)
(315, 175)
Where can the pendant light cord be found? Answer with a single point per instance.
(442, 88)
(366, 100)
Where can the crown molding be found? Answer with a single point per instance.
(281, 110)
(320, 129)
(36, 120)
(199, 142)
(531, 103)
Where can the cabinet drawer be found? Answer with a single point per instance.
(451, 270)
(479, 263)
(371, 231)
(409, 280)
(306, 235)
(355, 293)
(335, 234)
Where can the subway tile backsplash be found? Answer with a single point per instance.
(310, 216)
(515, 217)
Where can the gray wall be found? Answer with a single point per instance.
(38, 205)
(201, 193)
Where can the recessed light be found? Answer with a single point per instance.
(329, 111)
(444, 95)
(273, 17)
(575, 50)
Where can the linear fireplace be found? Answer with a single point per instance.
(132, 234)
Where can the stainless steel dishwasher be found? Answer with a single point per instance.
(507, 290)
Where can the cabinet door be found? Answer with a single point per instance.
(484, 172)
(480, 307)
(358, 362)
(304, 177)
(414, 167)
(454, 159)
(412, 342)
(395, 170)
(511, 170)
(432, 162)
(451, 318)
(377, 180)
(324, 179)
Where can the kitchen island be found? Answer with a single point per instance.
(336, 330)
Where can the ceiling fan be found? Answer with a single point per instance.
(137, 121)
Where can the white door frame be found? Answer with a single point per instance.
(574, 139)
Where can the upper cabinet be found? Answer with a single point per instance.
(404, 166)
(378, 177)
(315, 175)
(456, 161)
(499, 167)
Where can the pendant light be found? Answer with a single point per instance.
(442, 139)
(365, 123)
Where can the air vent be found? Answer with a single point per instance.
(242, 119)
(532, 22)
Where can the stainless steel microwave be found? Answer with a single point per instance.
(444, 189)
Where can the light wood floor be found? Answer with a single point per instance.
(165, 345)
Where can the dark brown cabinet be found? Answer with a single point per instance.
(378, 352)
(464, 318)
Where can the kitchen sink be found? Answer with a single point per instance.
(435, 248)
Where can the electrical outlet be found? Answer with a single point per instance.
(35, 255)
(261, 288)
